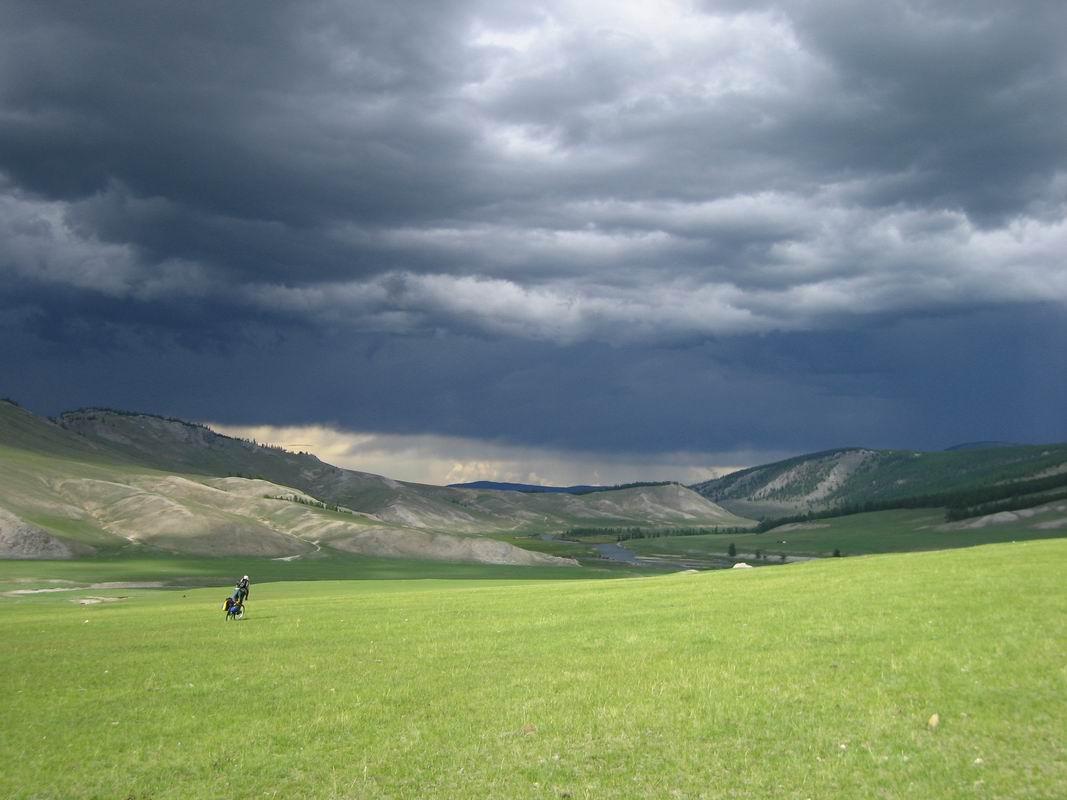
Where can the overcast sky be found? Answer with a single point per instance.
(550, 241)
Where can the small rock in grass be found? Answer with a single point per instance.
(933, 722)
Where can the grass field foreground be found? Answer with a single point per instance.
(814, 680)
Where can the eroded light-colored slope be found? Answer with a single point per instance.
(49, 504)
(179, 446)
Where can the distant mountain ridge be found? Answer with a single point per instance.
(980, 446)
(852, 476)
(533, 488)
(528, 488)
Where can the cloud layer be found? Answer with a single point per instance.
(685, 183)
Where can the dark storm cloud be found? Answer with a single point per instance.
(621, 196)
(924, 383)
(964, 99)
(301, 144)
(217, 105)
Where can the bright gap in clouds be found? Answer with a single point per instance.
(441, 460)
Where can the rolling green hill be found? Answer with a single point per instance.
(176, 445)
(101, 480)
(857, 477)
(23, 430)
(55, 508)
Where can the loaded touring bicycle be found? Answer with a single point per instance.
(235, 603)
(235, 609)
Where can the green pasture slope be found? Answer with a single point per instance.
(812, 680)
(896, 531)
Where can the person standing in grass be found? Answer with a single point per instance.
(242, 589)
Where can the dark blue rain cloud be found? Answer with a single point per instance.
(640, 228)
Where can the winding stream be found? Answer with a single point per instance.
(623, 555)
(616, 552)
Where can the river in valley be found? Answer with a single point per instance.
(622, 555)
(614, 551)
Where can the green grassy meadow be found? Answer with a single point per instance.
(896, 531)
(192, 571)
(813, 680)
